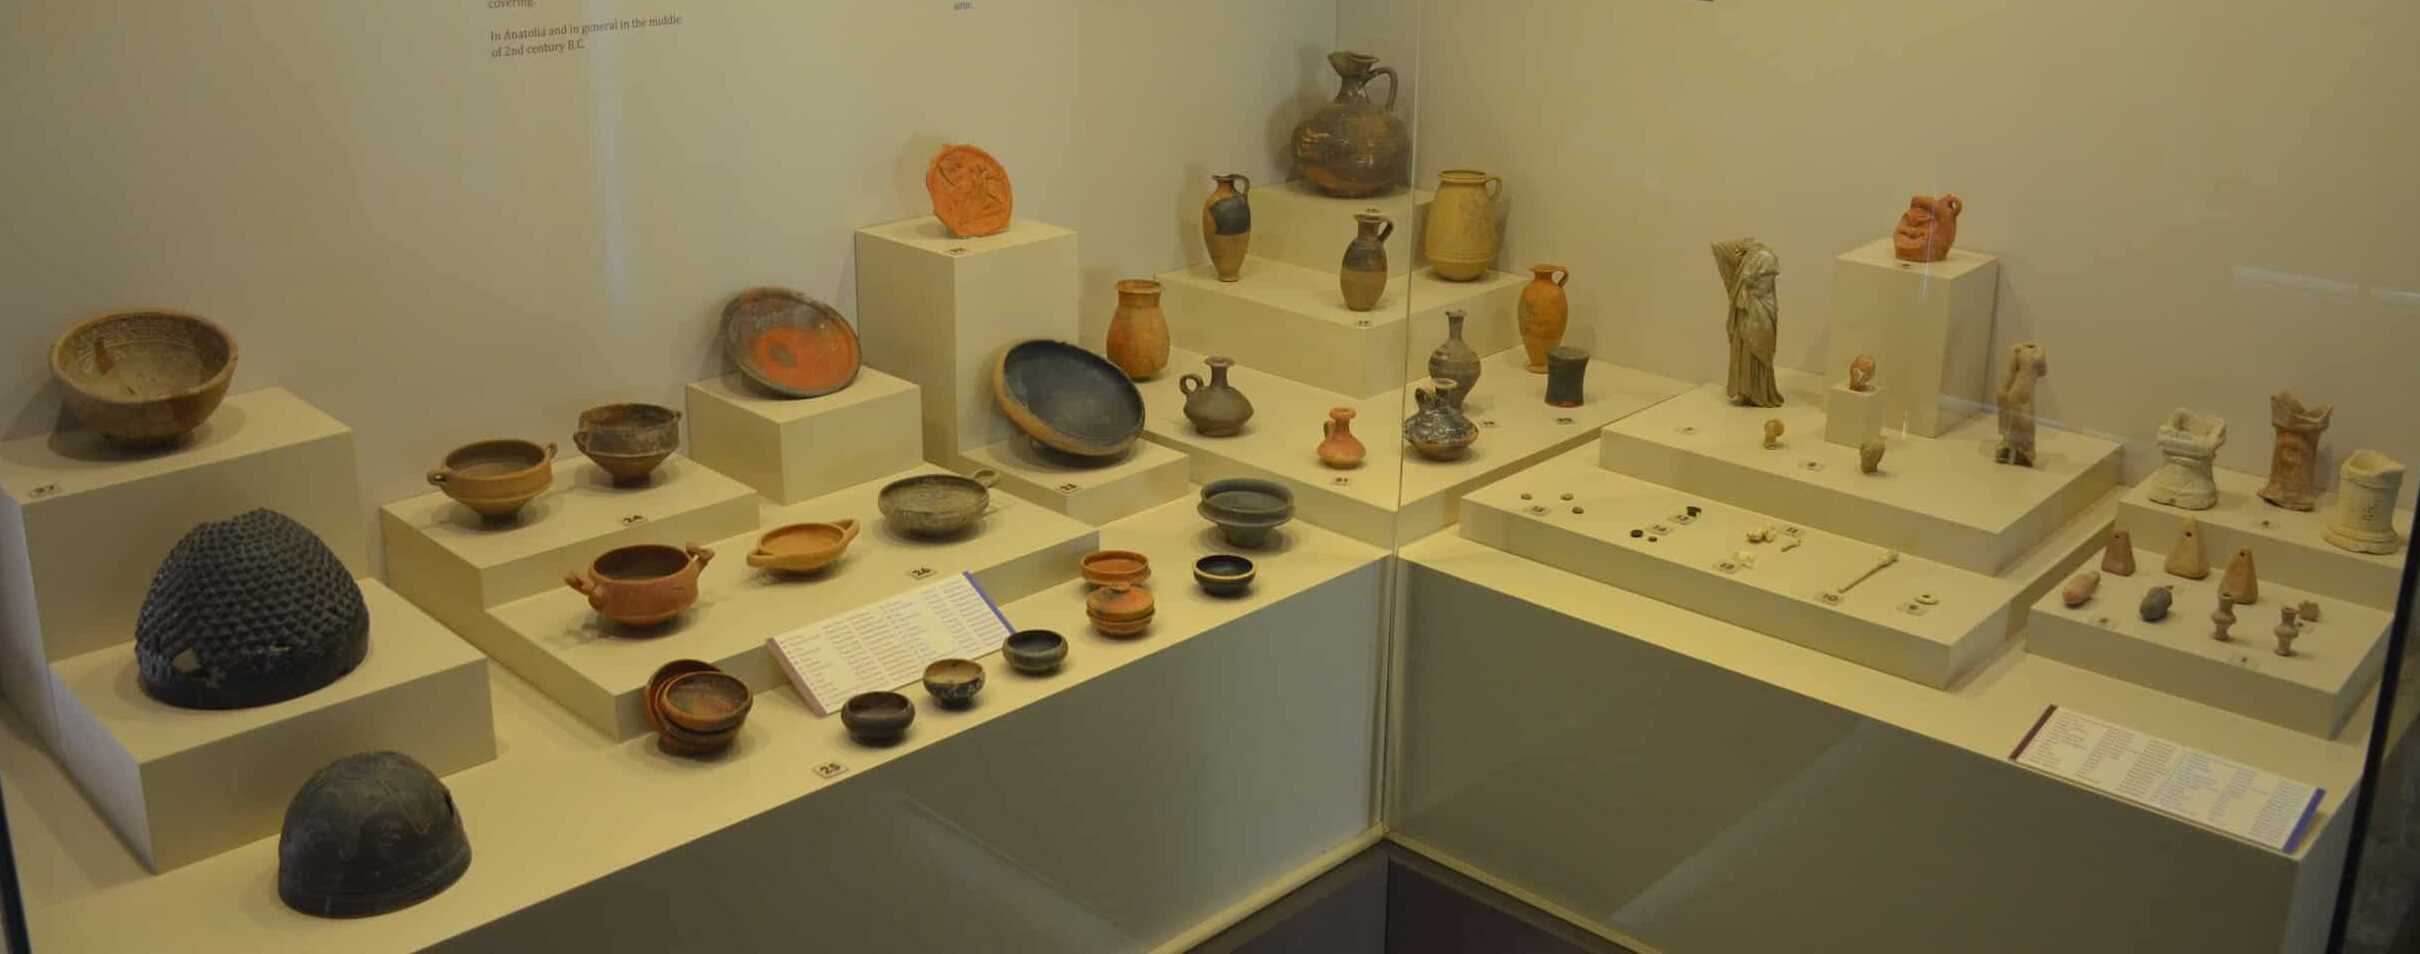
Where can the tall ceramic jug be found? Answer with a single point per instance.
(1363, 277)
(1138, 330)
(1545, 313)
(1455, 360)
(1462, 236)
(1353, 147)
(1227, 225)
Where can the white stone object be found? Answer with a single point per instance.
(2365, 503)
(2190, 441)
(1928, 326)
(1854, 417)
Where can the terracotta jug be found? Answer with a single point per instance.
(1462, 237)
(1227, 225)
(1353, 147)
(1215, 407)
(1455, 360)
(1545, 312)
(1339, 448)
(1363, 277)
(1138, 331)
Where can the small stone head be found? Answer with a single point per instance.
(1861, 373)
(1773, 429)
(1869, 456)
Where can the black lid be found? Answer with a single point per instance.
(246, 612)
(370, 833)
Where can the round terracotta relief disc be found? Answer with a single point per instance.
(971, 195)
(791, 344)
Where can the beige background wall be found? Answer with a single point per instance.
(437, 246)
(2195, 204)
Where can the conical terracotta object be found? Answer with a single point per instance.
(2241, 583)
(2119, 559)
(2186, 559)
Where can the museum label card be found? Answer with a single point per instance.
(886, 644)
(2257, 806)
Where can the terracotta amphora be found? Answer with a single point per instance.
(1363, 277)
(1545, 313)
(1227, 225)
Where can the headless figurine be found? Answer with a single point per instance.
(2026, 364)
(1749, 269)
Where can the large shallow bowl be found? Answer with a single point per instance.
(936, 505)
(1068, 399)
(790, 344)
(143, 377)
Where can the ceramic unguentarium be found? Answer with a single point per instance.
(1363, 275)
(1138, 330)
(1462, 237)
(642, 585)
(1215, 407)
(803, 547)
(1227, 225)
(970, 190)
(790, 344)
(628, 441)
(496, 478)
(1455, 360)
(1927, 229)
(1338, 448)
(1353, 147)
(143, 378)
(1545, 313)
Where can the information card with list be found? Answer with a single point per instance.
(2260, 807)
(887, 644)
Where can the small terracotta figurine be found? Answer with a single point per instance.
(1861, 373)
(1749, 269)
(2309, 611)
(2189, 441)
(1928, 228)
(1338, 448)
(2118, 559)
(2026, 364)
(2223, 618)
(1773, 431)
(2286, 631)
(2080, 589)
(2186, 558)
(970, 190)
(2156, 603)
(2294, 465)
(2365, 504)
(2241, 582)
(1869, 456)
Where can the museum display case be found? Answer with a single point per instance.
(1694, 541)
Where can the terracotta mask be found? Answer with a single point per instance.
(1929, 228)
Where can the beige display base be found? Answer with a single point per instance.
(1939, 498)
(1928, 327)
(1148, 476)
(84, 525)
(441, 557)
(1916, 619)
(1647, 766)
(1390, 497)
(1291, 321)
(938, 311)
(1851, 418)
(2287, 545)
(1294, 224)
(180, 785)
(2335, 663)
(569, 829)
(596, 668)
(791, 449)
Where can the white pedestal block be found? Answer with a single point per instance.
(2289, 546)
(1851, 418)
(597, 669)
(791, 449)
(1292, 321)
(1939, 498)
(2335, 661)
(1917, 619)
(1928, 326)
(1389, 497)
(1294, 224)
(938, 311)
(181, 785)
(84, 525)
(1148, 476)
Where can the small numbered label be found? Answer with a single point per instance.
(831, 770)
(46, 490)
(1068, 488)
(920, 573)
(634, 520)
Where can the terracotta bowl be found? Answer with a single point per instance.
(877, 718)
(790, 344)
(655, 686)
(642, 585)
(1035, 652)
(143, 377)
(496, 478)
(705, 702)
(680, 741)
(1068, 399)
(1223, 574)
(628, 441)
(1103, 567)
(803, 547)
(936, 505)
(954, 682)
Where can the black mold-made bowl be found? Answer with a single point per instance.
(1068, 399)
(1035, 652)
(1223, 574)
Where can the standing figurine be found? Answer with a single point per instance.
(2286, 631)
(1928, 228)
(2118, 559)
(1748, 269)
(2026, 364)
(2222, 619)
(2189, 441)
(2294, 466)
